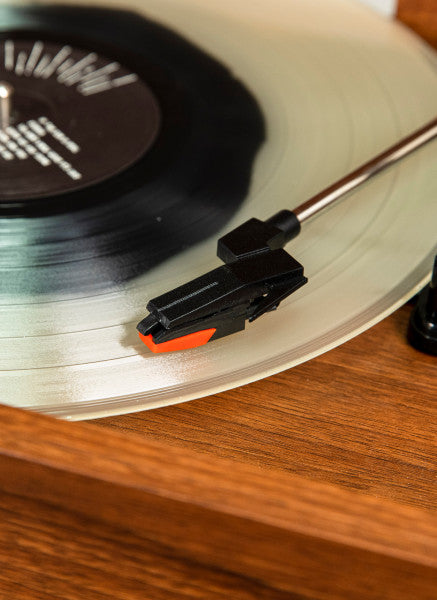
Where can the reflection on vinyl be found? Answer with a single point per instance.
(131, 157)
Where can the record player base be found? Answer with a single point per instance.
(91, 512)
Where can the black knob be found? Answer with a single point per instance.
(422, 329)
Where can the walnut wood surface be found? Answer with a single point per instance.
(92, 503)
(363, 416)
(318, 483)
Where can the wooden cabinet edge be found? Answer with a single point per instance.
(224, 514)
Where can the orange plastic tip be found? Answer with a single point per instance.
(192, 340)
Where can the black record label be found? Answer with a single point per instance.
(75, 118)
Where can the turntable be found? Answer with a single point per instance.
(316, 482)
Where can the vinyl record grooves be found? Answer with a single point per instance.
(328, 84)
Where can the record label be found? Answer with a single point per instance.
(76, 118)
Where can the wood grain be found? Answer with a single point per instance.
(271, 529)
(363, 416)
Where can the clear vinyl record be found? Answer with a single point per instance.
(335, 85)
